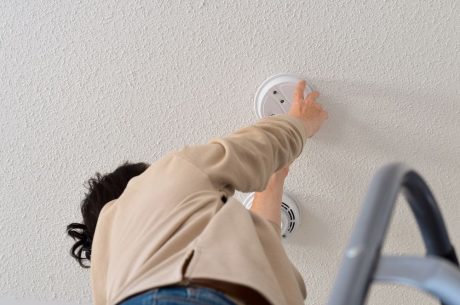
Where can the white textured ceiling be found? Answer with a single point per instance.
(85, 85)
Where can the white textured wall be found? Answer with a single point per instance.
(85, 85)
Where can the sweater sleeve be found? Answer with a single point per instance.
(246, 159)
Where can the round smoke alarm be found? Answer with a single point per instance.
(290, 214)
(274, 95)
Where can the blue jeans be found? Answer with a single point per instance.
(179, 295)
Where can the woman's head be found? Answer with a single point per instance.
(101, 190)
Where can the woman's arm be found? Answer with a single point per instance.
(246, 159)
(267, 204)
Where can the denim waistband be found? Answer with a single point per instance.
(177, 294)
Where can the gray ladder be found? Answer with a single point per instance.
(437, 273)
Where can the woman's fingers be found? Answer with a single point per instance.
(313, 95)
(298, 94)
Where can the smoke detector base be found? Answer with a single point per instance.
(274, 95)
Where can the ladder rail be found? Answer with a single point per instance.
(362, 254)
(430, 274)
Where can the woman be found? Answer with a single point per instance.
(171, 233)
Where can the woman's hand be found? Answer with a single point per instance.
(306, 109)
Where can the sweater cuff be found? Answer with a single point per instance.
(296, 122)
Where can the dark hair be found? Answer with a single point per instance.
(101, 190)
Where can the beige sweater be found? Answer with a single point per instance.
(177, 223)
